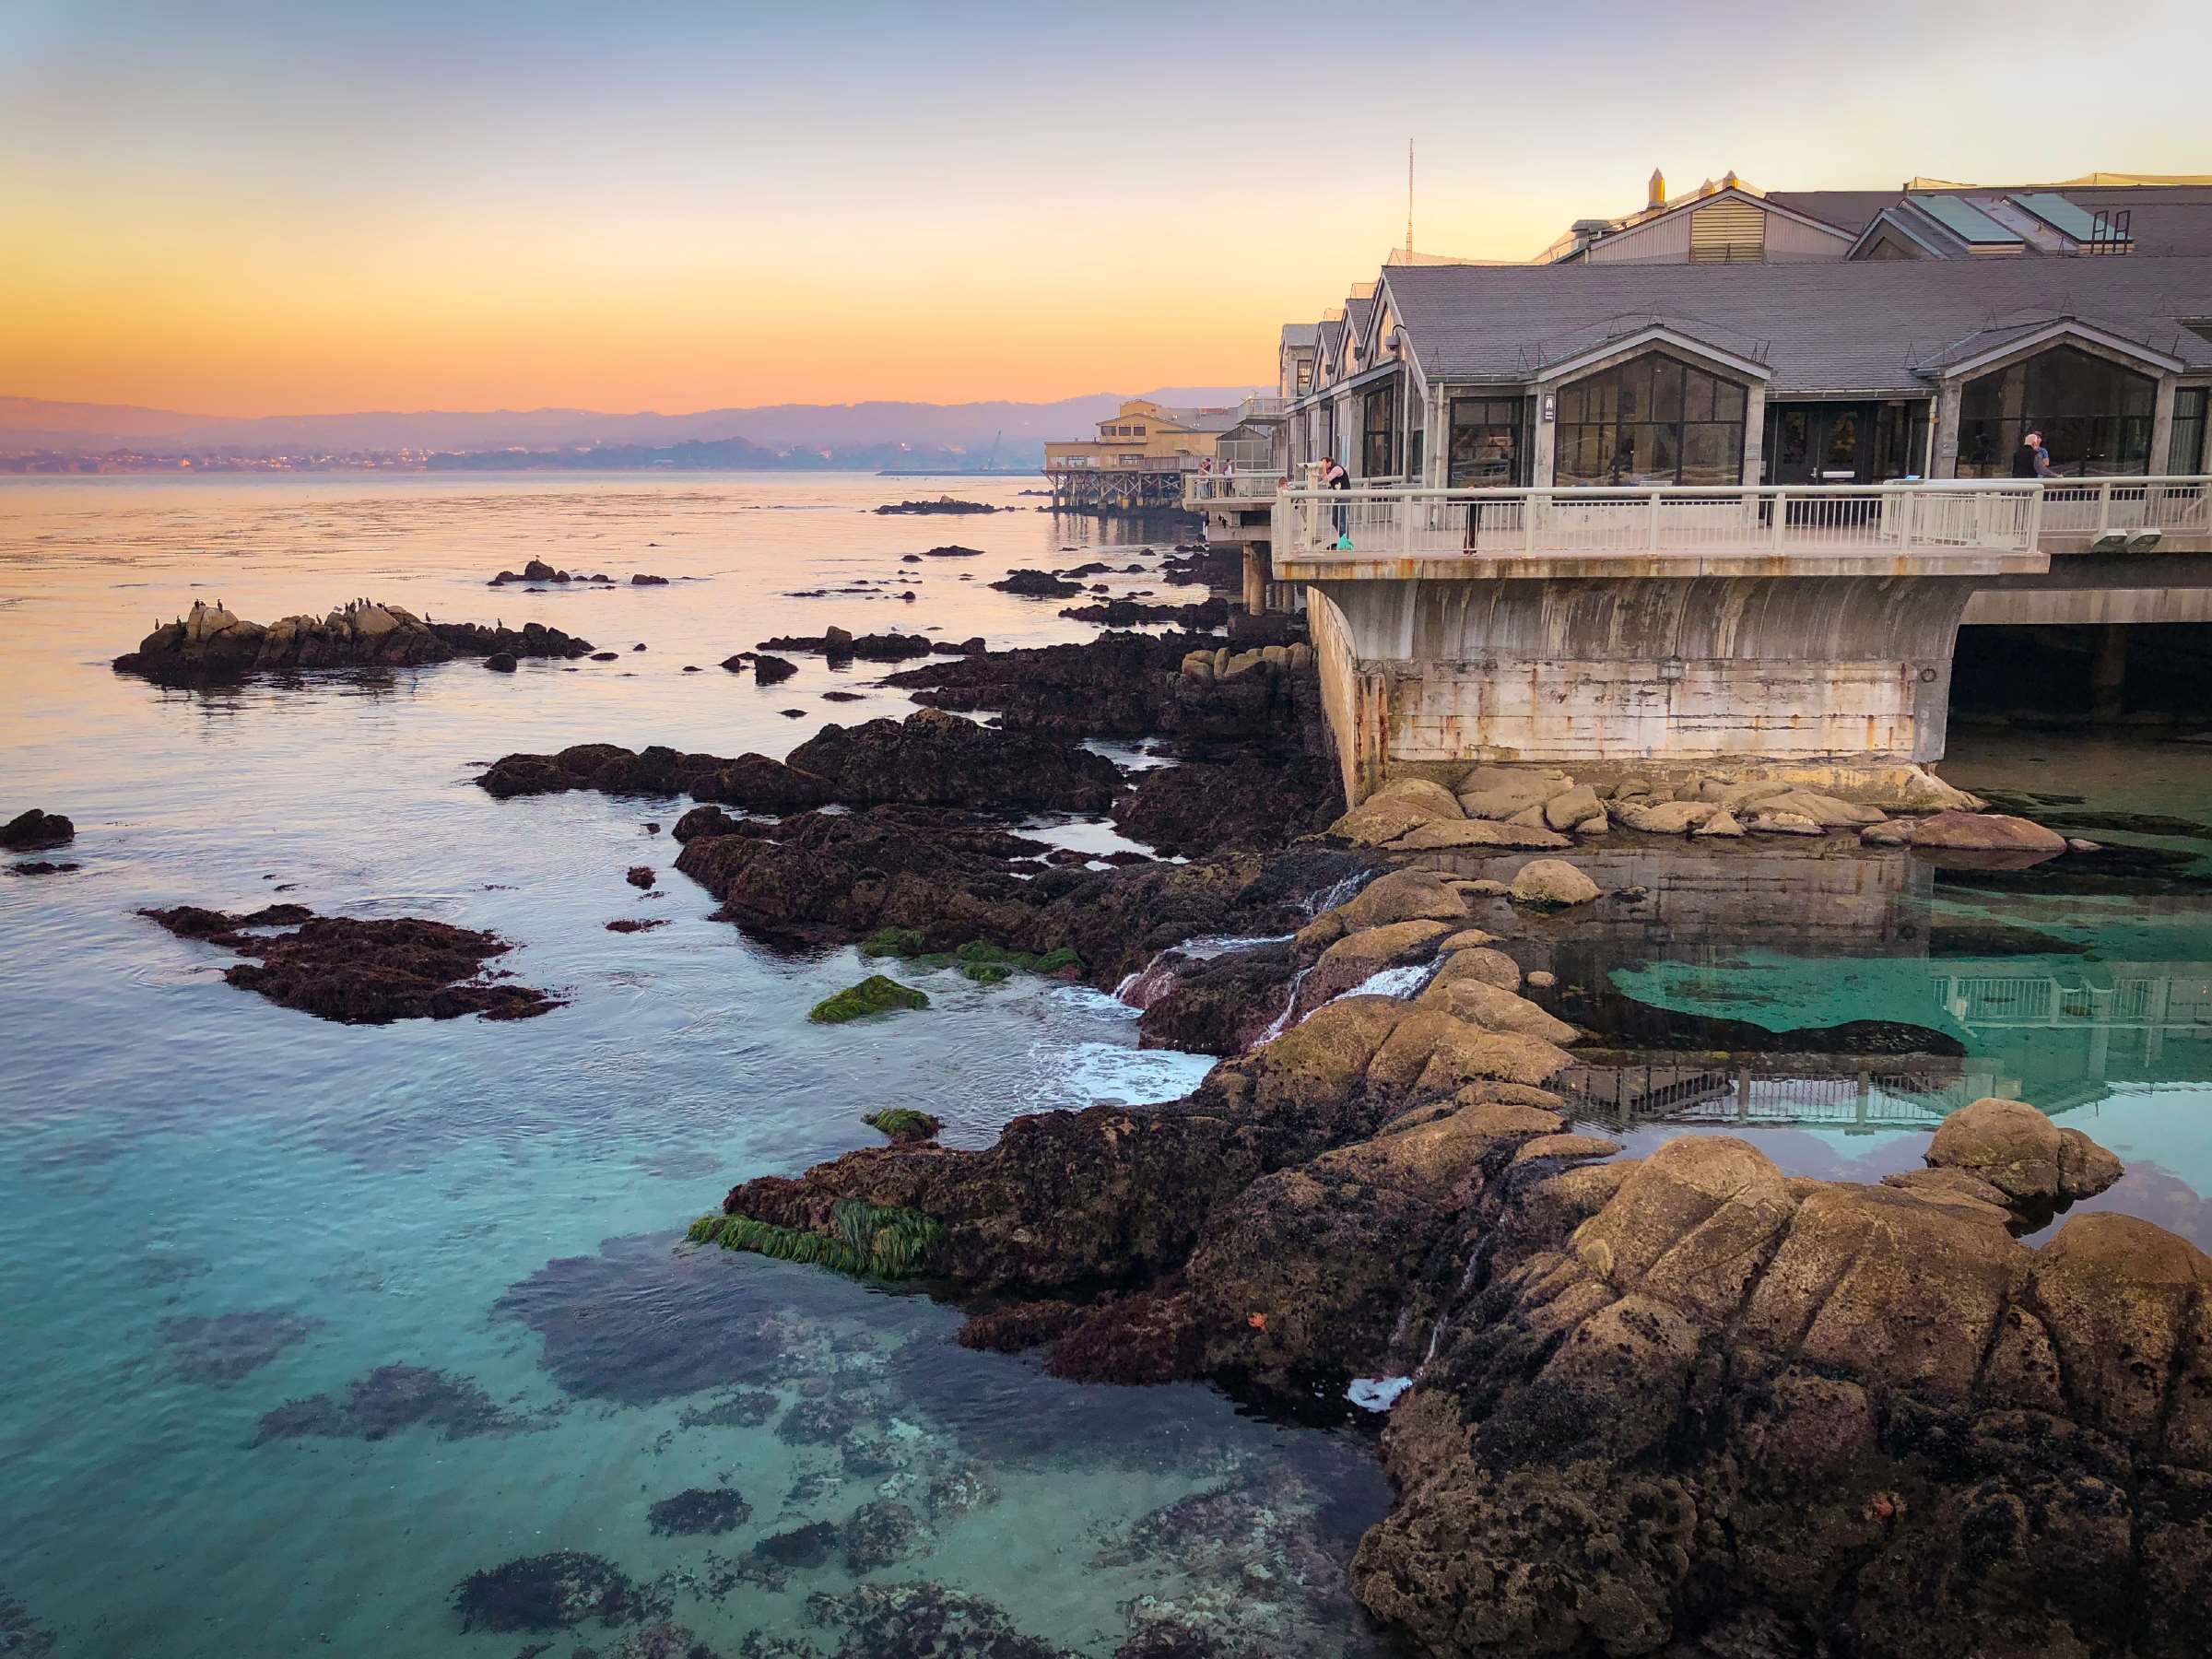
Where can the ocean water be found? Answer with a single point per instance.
(305, 1324)
(212, 1208)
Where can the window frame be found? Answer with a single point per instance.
(1998, 407)
(1625, 411)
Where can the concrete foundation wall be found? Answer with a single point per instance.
(1355, 699)
(2109, 588)
(1855, 668)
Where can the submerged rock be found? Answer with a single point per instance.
(390, 1398)
(711, 1510)
(923, 1620)
(806, 1547)
(554, 1591)
(879, 1533)
(221, 1348)
(360, 972)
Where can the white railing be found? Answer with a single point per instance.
(1258, 484)
(2120, 511)
(1832, 519)
(1262, 407)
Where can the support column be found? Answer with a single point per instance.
(1256, 579)
(1944, 462)
(2108, 671)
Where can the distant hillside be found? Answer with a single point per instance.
(880, 433)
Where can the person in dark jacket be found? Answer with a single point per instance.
(1333, 476)
(2031, 460)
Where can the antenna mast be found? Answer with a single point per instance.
(1408, 196)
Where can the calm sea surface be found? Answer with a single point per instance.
(450, 1246)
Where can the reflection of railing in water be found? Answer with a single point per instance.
(1765, 1091)
(2161, 1001)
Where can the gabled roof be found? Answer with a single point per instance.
(1300, 333)
(1829, 328)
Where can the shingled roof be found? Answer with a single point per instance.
(1863, 326)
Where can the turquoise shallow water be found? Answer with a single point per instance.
(445, 1255)
(211, 1207)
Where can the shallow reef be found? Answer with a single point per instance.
(553, 1592)
(389, 1399)
(221, 1348)
(700, 1510)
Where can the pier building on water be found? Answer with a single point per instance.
(1689, 490)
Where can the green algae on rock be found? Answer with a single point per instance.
(979, 959)
(871, 1242)
(875, 995)
(903, 1124)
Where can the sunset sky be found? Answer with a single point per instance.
(248, 208)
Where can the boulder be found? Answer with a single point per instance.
(1400, 896)
(1445, 835)
(1492, 1007)
(1374, 947)
(1573, 807)
(1494, 791)
(1890, 832)
(1552, 883)
(28, 831)
(1666, 818)
(2020, 1152)
(1722, 825)
(1381, 820)
(1768, 822)
(1825, 810)
(1985, 832)
(1434, 796)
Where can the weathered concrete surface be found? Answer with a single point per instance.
(2167, 585)
(1842, 669)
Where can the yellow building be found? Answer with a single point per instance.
(1140, 456)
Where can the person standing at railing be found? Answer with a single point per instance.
(1333, 476)
(2031, 460)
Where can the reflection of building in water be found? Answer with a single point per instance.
(1911, 1037)
(1626, 1088)
(2062, 1040)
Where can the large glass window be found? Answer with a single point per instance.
(1489, 445)
(1654, 419)
(2185, 454)
(2094, 415)
(1379, 431)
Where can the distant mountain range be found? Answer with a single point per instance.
(809, 435)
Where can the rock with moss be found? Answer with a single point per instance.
(868, 1240)
(903, 1124)
(875, 995)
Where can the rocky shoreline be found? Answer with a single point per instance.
(1679, 1405)
(1683, 1403)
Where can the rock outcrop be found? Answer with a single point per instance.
(930, 759)
(1693, 1402)
(34, 830)
(359, 972)
(211, 645)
